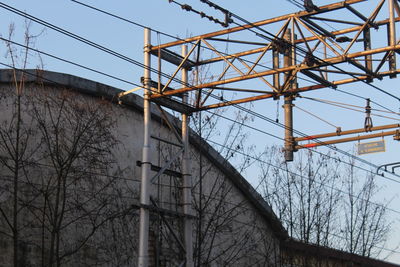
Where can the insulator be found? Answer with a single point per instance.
(368, 120)
(186, 7)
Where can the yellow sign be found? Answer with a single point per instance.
(371, 147)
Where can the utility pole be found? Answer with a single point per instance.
(288, 59)
(143, 257)
(186, 173)
(392, 37)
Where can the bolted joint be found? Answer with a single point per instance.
(310, 59)
(145, 81)
(290, 148)
(281, 46)
(397, 135)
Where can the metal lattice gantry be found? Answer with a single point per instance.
(350, 42)
(327, 46)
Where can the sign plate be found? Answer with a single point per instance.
(371, 147)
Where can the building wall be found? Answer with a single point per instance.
(79, 178)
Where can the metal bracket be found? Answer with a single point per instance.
(394, 165)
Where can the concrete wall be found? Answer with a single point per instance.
(99, 192)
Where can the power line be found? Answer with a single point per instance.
(79, 38)
(267, 119)
(107, 50)
(171, 36)
(124, 19)
(315, 57)
(355, 108)
(296, 47)
(174, 37)
(296, 3)
(364, 98)
(204, 15)
(219, 115)
(209, 195)
(68, 61)
(299, 175)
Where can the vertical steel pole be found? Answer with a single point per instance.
(143, 257)
(392, 36)
(186, 174)
(275, 62)
(292, 39)
(288, 104)
(367, 46)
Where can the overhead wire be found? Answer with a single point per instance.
(297, 174)
(352, 108)
(171, 36)
(296, 3)
(291, 45)
(317, 58)
(294, 46)
(68, 61)
(364, 98)
(208, 140)
(385, 93)
(219, 115)
(78, 38)
(315, 116)
(265, 118)
(92, 70)
(107, 50)
(273, 36)
(346, 104)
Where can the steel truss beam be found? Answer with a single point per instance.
(320, 55)
(317, 138)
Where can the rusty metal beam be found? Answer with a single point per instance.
(298, 41)
(173, 58)
(355, 131)
(344, 140)
(299, 90)
(328, 61)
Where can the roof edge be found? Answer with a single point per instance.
(293, 245)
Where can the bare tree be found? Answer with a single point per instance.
(61, 185)
(76, 157)
(313, 195)
(16, 145)
(365, 225)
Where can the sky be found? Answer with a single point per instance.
(160, 15)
